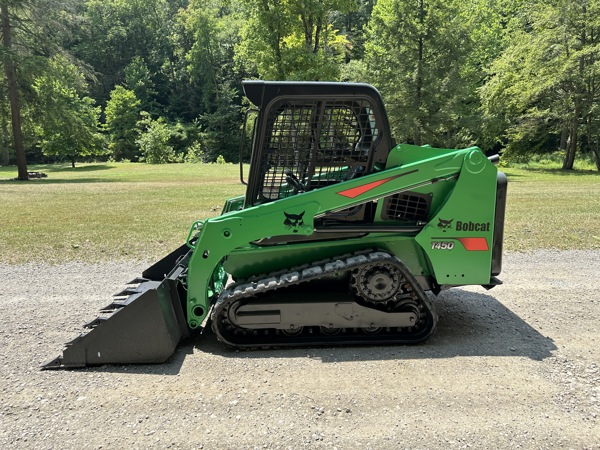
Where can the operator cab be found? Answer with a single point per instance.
(310, 135)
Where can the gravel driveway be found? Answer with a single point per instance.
(515, 367)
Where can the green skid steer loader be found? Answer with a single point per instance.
(336, 241)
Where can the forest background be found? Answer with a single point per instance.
(160, 80)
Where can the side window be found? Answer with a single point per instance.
(288, 147)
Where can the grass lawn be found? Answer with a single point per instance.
(552, 209)
(98, 212)
(104, 211)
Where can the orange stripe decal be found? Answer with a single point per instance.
(359, 190)
(474, 244)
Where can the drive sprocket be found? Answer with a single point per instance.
(376, 283)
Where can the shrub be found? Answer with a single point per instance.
(154, 142)
(194, 154)
(122, 113)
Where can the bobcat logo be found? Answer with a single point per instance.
(444, 224)
(294, 221)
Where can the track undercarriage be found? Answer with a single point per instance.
(368, 298)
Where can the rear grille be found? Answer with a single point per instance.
(406, 206)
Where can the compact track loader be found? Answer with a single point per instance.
(339, 236)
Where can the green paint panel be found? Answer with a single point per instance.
(451, 246)
(459, 238)
(253, 260)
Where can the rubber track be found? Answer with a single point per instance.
(237, 337)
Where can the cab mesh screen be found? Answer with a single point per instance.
(315, 144)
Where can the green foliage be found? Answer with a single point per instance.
(220, 160)
(542, 93)
(355, 71)
(122, 115)
(293, 40)
(222, 127)
(68, 123)
(194, 154)
(184, 136)
(210, 56)
(113, 34)
(139, 79)
(546, 162)
(31, 32)
(154, 143)
(513, 75)
(162, 142)
(214, 34)
(5, 135)
(417, 54)
(352, 24)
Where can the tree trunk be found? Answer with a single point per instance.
(595, 148)
(563, 137)
(578, 96)
(4, 143)
(596, 155)
(307, 23)
(571, 146)
(318, 35)
(13, 93)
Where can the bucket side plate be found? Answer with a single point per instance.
(143, 327)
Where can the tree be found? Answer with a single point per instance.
(139, 79)
(209, 59)
(114, 35)
(12, 85)
(293, 40)
(222, 126)
(67, 121)
(122, 114)
(417, 54)
(214, 33)
(352, 24)
(5, 135)
(154, 141)
(544, 85)
(32, 31)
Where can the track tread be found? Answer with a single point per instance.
(238, 337)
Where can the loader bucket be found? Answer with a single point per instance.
(143, 325)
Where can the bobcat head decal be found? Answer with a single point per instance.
(444, 224)
(293, 221)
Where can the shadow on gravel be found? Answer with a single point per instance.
(171, 367)
(470, 324)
